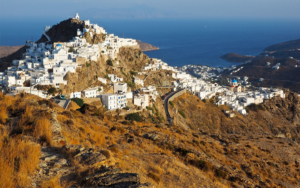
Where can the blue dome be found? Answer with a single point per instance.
(234, 80)
(58, 44)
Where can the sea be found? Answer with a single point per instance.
(181, 41)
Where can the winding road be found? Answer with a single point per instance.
(166, 103)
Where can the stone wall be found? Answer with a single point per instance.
(177, 95)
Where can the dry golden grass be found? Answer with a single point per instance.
(51, 183)
(155, 169)
(8, 100)
(61, 118)
(18, 160)
(43, 130)
(3, 115)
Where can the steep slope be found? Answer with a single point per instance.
(64, 31)
(92, 148)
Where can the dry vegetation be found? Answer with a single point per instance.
(223, 153)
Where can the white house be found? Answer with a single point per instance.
(90, 93)
(120, 88)
(138, 81)
(103, 80)
(75, 94)
(141, 100)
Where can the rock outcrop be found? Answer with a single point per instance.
(113, 177)
(288, 108)
(64, 31)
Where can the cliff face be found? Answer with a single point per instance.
(130, 60)
(288, 108)
(64, 31)
(160, 78)
(133, 58)
(97, 38)
(85, 77)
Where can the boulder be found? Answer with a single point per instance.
(90, 157)
(151, 136)
(113, 177)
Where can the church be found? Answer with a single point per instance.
(235, 87)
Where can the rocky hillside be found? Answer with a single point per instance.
(91, 147)
(131, 60)
(64, 31)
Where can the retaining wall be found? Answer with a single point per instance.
(177, 95)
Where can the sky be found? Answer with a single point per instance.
(120, 9)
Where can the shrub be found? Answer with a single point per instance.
(154, 176)
(71, 49)
(133, 73)
(52, 91)
(202, 165)
(221, 173)
(3, 115)
(170, 147)
(43, 130)
(106, 153)
(109, 62)
(114, 149)
(182, 114)
(134, 117)
(183, 152)
(78, 101)
(171, 103)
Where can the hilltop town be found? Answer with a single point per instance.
(47, 64)
(84, 108)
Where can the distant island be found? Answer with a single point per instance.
(146, 46)
(277, 66)
(236, 58)
(7, 50)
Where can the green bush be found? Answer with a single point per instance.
(109, 62)
(171, 103)
(182, 114)
(52, 91)
(221, 173)
(133, 73)
(134, 117)
(202, 165)
(183, 152)
(78, 101)
(71, 49)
